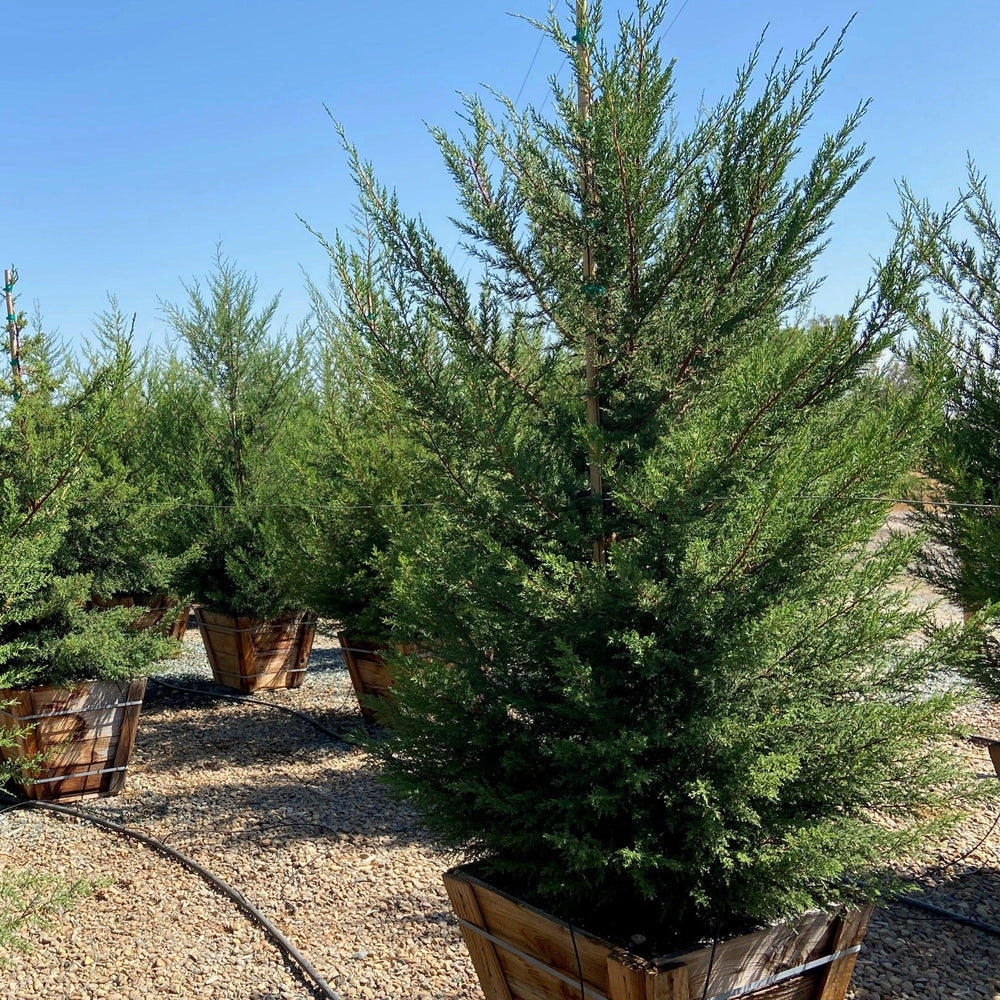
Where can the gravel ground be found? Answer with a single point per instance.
(276, 809)
(910, 953)
(301, 827)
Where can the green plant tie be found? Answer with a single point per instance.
(17, 396)
(8, 288)
(11, 317)
(590, 289)
(15, 362)
(590, 223)
(580, 37)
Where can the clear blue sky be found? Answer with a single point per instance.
(139, 134)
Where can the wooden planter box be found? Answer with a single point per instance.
(85, 732)
(151, 618)
(158, 607)
(369, 672)
(254, 654)
(521, 953)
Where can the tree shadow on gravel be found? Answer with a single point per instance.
(227, 727)
(275, 810)
(325, 659)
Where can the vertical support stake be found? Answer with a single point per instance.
(583, 85)
(15, 342)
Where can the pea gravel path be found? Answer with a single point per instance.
(301, 827)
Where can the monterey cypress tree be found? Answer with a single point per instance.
(960, 247)
(52, 419)
(227, 432)
(671, 679)
(362, 472)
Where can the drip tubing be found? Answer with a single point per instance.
(959, 918)
(336, 735)
(305, 967)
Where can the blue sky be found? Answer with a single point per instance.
(140, 134)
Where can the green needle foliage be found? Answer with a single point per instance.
(362, 473)
(715, 726)
(51, 422)
(29, 901)
(960, 247)
(118, 525)
(228, 421)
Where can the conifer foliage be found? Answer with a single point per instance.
(960, 247)
(52, 420)
(705, 729)
(363, 473)
(226, 428)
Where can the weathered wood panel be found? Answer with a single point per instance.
(83, 735)
(157, 608)
(370, 675)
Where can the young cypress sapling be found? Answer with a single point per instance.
(53, 418)
(364, 473)
(230, 415)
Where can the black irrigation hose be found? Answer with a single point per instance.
(305, 966)
(336, 735)
(959, 918)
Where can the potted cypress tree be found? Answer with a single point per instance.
(670, 704)
(119, 525)
(71, 679)
(229, 432)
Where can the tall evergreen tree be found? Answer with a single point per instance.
(118, 527)
(692, 700)
(362, 473)
(227, 430)
(960, 248)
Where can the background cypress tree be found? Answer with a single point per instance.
(960, 247)
(361, 473)
(228, 430)
(713, 727)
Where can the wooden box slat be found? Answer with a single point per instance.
(752, 957)
(370, 674)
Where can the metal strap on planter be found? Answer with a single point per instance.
(740, 991)
(285, 626)
(70, 711)
(531, 960)
(780, 977)
(71, 775)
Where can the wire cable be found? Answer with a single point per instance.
(171, 504)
